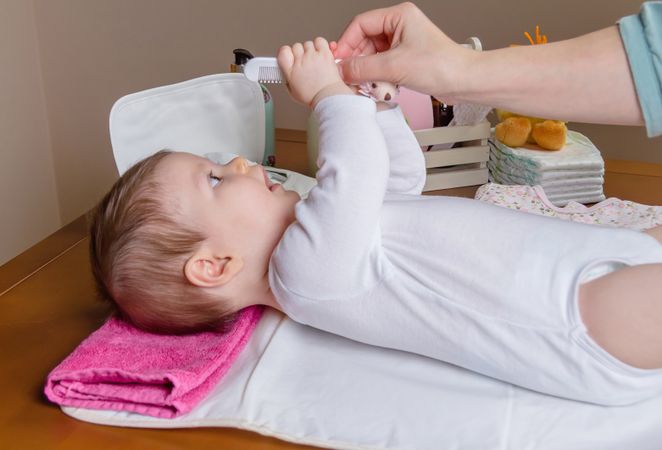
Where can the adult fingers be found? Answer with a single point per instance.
(379, 66)
(372, 45)
(376, 31)
(364, 26)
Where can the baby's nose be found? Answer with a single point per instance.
(387, 97)
(240, 165)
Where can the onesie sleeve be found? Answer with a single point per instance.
(642, 38)
(406, 161)
(333, 249)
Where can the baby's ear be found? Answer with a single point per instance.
(205, 269)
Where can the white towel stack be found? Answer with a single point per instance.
(574, 173)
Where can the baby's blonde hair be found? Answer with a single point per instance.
(138, 251)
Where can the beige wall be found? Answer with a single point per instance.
(95, 51)
(28, 198)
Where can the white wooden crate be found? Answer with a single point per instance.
(455, 167)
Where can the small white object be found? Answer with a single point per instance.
(263, 70)
(469, 114)
(474, 44)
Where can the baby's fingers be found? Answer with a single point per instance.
(297, 50)
(285, 59)
(322, 44)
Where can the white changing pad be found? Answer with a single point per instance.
(307, 386)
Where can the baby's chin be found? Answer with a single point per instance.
(294, 195)
(294, 198)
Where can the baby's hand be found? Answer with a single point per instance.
(311, 72)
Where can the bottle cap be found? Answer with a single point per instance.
(241, 56)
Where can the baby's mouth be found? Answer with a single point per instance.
(270, 184)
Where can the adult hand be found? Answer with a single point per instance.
(401, 45)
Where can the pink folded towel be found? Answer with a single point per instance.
(122, 368)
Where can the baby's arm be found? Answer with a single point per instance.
(320, 78)
(406, 161)
(333, 248)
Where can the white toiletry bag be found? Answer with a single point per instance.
(222, 113)
(216, 116)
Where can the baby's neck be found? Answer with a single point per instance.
(252, 288)
(259, 293)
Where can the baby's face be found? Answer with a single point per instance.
(234, 205)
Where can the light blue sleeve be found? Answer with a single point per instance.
(642, 39)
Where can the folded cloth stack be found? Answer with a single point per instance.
(573, 174)
(122, 368)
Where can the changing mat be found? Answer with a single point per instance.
(307, 386)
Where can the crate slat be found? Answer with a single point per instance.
(447, 179)
(464, 165)
(446, 135)
(454, 156)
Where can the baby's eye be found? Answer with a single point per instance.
(214, 180)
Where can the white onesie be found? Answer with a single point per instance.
(480, 286)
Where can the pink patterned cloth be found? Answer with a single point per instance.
(610, 212)
(121, 368)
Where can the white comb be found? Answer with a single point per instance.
(263, 70)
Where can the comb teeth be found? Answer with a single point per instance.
(263, 70)
(269, 74)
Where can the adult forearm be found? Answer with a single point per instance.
(585, 79)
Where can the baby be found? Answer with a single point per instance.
(180, 244)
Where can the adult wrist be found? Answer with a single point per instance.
(459, 75)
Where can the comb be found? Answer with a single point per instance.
(263, 70)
